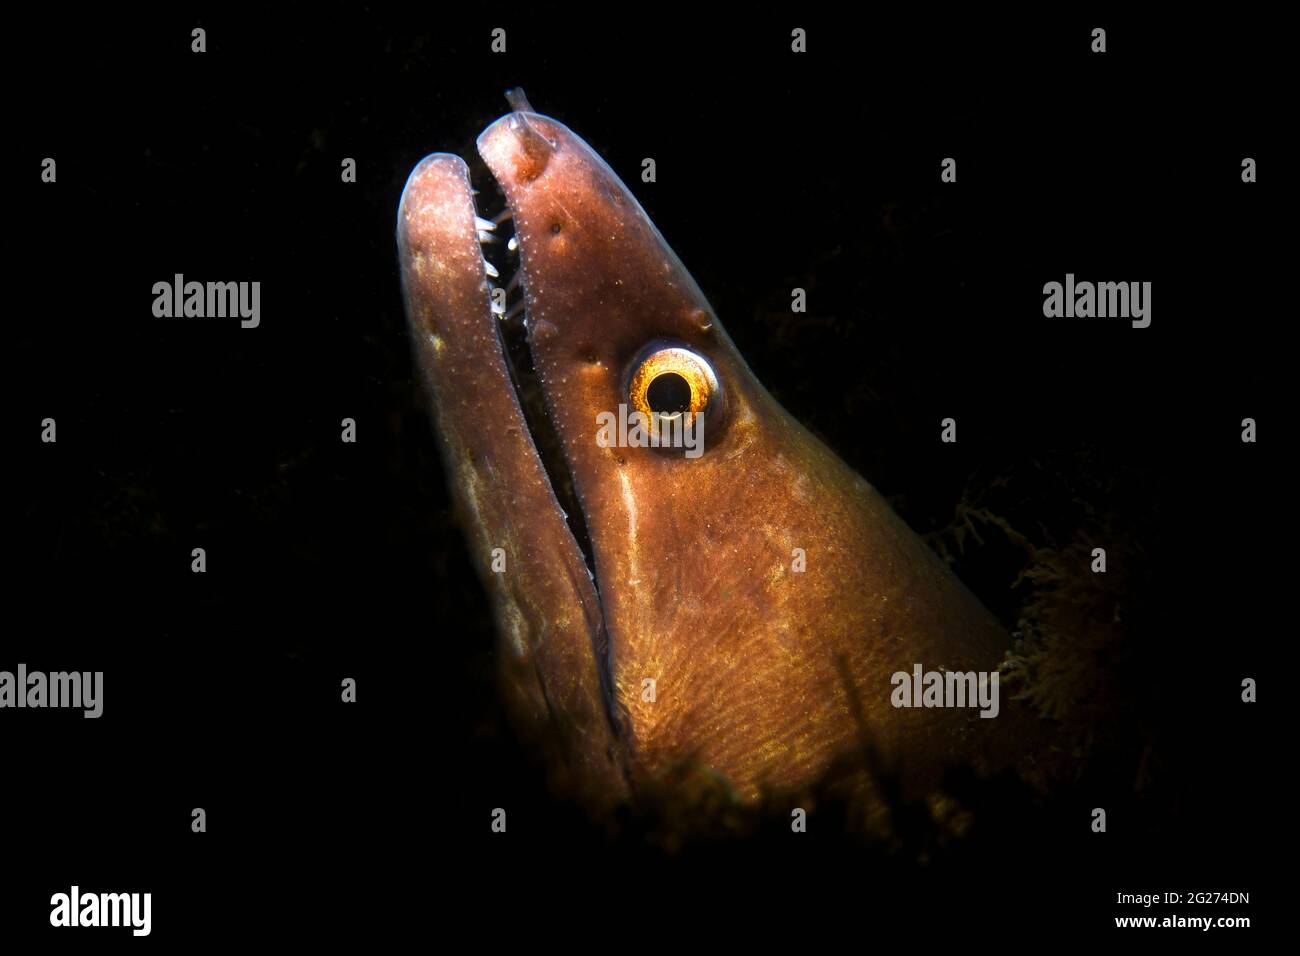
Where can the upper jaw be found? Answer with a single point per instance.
(517, 149)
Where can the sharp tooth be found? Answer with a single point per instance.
(499, 308)
(502, 216)
(484, 225)
(490, 269)
(487, 237)
(513, 244)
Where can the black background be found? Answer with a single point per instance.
(328, 560)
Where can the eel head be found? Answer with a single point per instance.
(738, 606)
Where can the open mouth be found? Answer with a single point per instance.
(505, 439)
(501, 252)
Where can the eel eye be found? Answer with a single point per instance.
(671, 381)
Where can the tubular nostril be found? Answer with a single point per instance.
(534, 149)
(519, 101)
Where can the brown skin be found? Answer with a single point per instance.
(763, 675)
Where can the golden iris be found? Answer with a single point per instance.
(672, 381)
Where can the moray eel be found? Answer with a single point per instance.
(692, 634)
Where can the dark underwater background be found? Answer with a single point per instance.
(328, 560)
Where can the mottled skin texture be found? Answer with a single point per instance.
(762, 675)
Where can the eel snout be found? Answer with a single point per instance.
(543, 598)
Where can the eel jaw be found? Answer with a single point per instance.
(544, 599)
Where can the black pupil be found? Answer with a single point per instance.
(669, 394)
